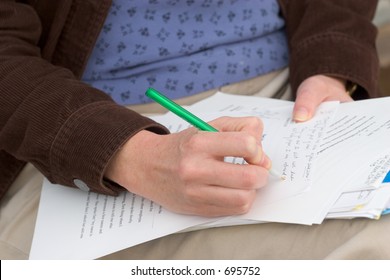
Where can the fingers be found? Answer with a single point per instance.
(223, 174)
(212, 187)
(225, 144)
(241, 144)
(186, 172)
(212, 201)
(250, 125)
(216, 189)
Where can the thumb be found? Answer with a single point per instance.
(306, 104)
(315, 90)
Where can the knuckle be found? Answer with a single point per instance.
(191, 195)
(187, 170)
(249, 140)
(255, 122)
(249, 143)
(250, 178)
(192, 144)
(254, 126)
(244, 201)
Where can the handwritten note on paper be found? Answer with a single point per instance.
(303, 141)
(293, 149)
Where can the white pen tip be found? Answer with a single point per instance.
(278, 175)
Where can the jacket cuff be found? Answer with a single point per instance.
(350, 60)
(89, 139)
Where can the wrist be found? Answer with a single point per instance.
(347, 85)
(125, 160)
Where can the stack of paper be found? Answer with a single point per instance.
(353, 159)
(335, 165)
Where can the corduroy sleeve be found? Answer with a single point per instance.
(334, 37)
(67, 129)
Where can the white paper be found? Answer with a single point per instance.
(73, 224)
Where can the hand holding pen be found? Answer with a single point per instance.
(192, 119)
(186, 172)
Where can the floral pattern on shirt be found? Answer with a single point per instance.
(182, 47)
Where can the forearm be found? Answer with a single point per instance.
(67, 129)
(334, 38)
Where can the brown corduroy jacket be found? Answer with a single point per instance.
(70, 130)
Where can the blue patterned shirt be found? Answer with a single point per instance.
(182, 47)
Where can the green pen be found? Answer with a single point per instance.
(189, 117)
(178, 110)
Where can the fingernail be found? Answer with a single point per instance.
(301, 115)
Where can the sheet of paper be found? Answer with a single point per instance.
(73, 224)
(223, 102)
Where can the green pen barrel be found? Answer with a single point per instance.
(178, 110)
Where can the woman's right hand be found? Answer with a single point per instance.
(185, 172)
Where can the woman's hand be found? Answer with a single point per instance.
(315, 90)
(186, 173)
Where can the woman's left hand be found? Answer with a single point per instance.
(315, 90)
